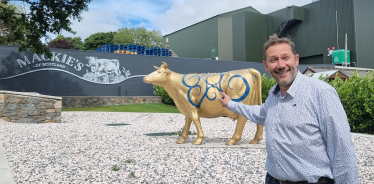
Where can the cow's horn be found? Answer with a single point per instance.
(155, 66)
(165, 64)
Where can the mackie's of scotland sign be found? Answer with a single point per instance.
(93, 69)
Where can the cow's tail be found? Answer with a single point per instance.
(259, 87)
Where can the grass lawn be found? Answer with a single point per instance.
(149, 107)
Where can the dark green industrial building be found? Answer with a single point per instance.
(239, 35)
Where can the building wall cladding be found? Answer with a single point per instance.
(318, 30)
(225, 39)
(364, 29)
(195, 41)
(315, 31)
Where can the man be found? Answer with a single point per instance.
(307, 132)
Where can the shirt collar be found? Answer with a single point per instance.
(294, 86)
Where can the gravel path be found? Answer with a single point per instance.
(82, 149)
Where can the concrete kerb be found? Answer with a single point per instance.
(6, 176)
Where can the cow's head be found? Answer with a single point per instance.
(158, 77)
(91, 60)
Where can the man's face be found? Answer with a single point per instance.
(281, 63)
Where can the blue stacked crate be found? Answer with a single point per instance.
(164, 52)
(170, 53)
(140, 50)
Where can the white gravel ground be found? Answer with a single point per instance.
(82, 149)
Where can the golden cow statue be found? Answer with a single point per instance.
(195, 96)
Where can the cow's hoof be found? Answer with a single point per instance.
(254, 141)
(181, 140)
(197, 141)
(231, 142)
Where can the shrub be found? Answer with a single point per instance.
(357, 97)
(267, 83)
(160, 91)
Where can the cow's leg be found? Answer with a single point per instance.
(186, 129)
(258, 135)
(199, 129)
(238, 131)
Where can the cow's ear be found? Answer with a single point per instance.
(167, 71)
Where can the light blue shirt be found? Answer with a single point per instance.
(307, 132)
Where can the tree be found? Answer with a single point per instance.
(60, 42)
(97, 40)
(45, 16)
(138, 36)
(77, 42)
(6, 33)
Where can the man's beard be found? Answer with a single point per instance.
(285, 83)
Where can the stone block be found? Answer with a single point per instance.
(58, 105)
(51, 121)
(26, 120)
(34, 113)
(15, 117)
(49, 106)
(50, 110)
(18, 99)
(11, 113)
(31, 107)
(11, 107)
(2, 99)
(5, 119)
(23, 114)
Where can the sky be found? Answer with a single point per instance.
(165, 15)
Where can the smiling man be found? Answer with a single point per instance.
(307, 131)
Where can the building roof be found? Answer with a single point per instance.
(347, 71)
(226, 14)
(326, 74)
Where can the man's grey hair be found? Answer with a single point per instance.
(274, 40)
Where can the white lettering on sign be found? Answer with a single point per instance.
(101, 71)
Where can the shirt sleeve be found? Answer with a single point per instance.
(336, 133)
(255, 113)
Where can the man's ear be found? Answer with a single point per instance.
(265, 65)
(297, 59)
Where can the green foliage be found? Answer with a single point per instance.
(160, 91)
(357, 97)
(138, 36)
(44, 16)
(130, 160)
(115, 168)
(96, 40)
(179, 132)
(267, 83)
(132, 174)
(77, 42)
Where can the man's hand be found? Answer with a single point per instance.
(225, 99)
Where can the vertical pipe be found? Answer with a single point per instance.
(346, 49)
(337, 29)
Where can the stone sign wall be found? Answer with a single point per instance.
(97, 101)
(24, 107)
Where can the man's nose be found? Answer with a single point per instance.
(281, 64)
